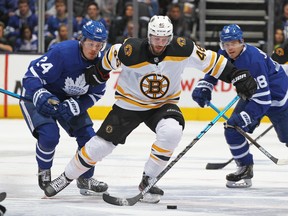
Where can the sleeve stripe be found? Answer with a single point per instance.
(212, 61)
(106, 63)
(218, 65)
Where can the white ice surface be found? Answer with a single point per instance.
(195, 190)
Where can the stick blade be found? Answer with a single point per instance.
(121, 201)
(213, 166)
(282, 162)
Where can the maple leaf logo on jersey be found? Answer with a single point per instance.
(78, 87)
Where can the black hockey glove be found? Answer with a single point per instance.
(94, 77)
(245, 84)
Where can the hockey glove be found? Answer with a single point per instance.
(68, 109)
(202, 92)
(241, 119)
(94, 77)
(245, 84)
(45, 102)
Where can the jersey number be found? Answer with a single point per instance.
(261, 80)
(200, 52)
(45, 66)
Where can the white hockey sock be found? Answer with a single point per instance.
(75, 168)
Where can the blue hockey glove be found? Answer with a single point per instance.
(68, 109)
(202, 92)
(241, 119)
(45, 102)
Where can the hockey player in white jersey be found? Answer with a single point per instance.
(147, 92)
(270, 99)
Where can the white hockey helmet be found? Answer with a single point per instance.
(160, 26)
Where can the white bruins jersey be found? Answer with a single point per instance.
(148, 81)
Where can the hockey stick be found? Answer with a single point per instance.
(51, 101)
(243, 133)
(213, 166)
(133, 200)
(11, 94)
(222, 165)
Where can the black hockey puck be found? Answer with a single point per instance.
(171, 206)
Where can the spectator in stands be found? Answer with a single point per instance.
(279, 37)
(80, 9)
(284, 19)
(27, 42)
(61, 17)
(23, 16)
(49, 8)
(128, 32)
(107, 8)
(163, 6)
(61, 36)
(4, 43)
(119, 23)
(180, 25)
(7, 9)
(151, 5)
(92, 13)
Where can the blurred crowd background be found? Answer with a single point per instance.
(19, 28)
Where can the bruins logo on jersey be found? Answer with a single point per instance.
(154, 86)
(181, 41)
(128, 50)
(109, 129)
(279, 51)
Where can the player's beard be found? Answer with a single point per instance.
(158, 51)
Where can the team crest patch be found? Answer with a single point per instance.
(181, 41)
(154, 86)
(109, 129)
(128, 50)
(279, 51)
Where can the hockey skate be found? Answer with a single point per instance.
(57, 185)
(154, 194)
(91, 187)
(241, 178)
(44, 177)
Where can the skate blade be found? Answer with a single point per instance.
(86, 192)
(150, 198)
(243, 183)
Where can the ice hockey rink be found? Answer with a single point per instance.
(195, 190)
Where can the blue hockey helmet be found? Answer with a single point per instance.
(95, 31)
(231, 32)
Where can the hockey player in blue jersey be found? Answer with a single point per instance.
(269, 100)
(61, 85)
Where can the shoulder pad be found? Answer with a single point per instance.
(180, 46)
(133, 51)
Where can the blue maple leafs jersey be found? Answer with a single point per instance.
(62, 72)
(272, 81)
